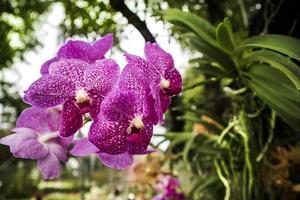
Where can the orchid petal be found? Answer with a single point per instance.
(102, 76)
(70, 69)
(49, 166)
(161, 60)
(24, 144)
(120, 161)
(49, 91)
(77, 49)
(138, 142)
(83, 147)
(41, 120)
(174, 77)
(71, 119)
(119, 105)
(58, 150)
(103, 45)
(109, 136)
(45, 67)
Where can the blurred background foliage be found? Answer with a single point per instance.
(233, 132)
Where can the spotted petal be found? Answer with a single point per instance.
(137, 76)
(141, 69)
(161, 100)
(109, 136)
(160, 59)
(77, 49)
(71, 119)
(120, 161)
(45, 66)
(102, 76)
(175, 82)
(49, 91)
(138, 142)
(95, 103)
(70, 69)
(119, 105)
(103, 45)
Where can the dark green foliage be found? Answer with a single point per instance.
(261, 81)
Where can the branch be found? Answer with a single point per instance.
(269, 19)
(119, 5)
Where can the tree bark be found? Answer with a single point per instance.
(119, 5)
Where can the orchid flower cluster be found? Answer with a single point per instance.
(79, 84)
(169, 189)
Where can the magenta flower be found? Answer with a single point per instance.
(169, 81)
(79, 86)
(168, 187)
(154, 79)
(136, 78)
(76, 49)
(122, 125)
(124, 107)
(36, 137)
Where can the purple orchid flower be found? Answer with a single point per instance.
(122, 125)
(79, 86)
(155, 79)
(36, 137)
(168, 186)
(76, 49)
(136, 78)
(169, 81)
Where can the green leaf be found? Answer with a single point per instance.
(278, 61)
(265, 70)
(225, 36)
(283, 44)
(215, 54)
(207, 67)
(280, 87)
(286, 109)
(196, 24)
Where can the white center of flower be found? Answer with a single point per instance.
(81, 96)
(47, 136)
(136, 122)
(165, 83)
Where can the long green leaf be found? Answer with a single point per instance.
(283, 64)
(276, 86)
(286, 109)
(266, 71)
(225, 36)
(196, 24)
(283, 44)
(215, 54)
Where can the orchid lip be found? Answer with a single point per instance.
(164, 83)
(47, 136)
(81, 96)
